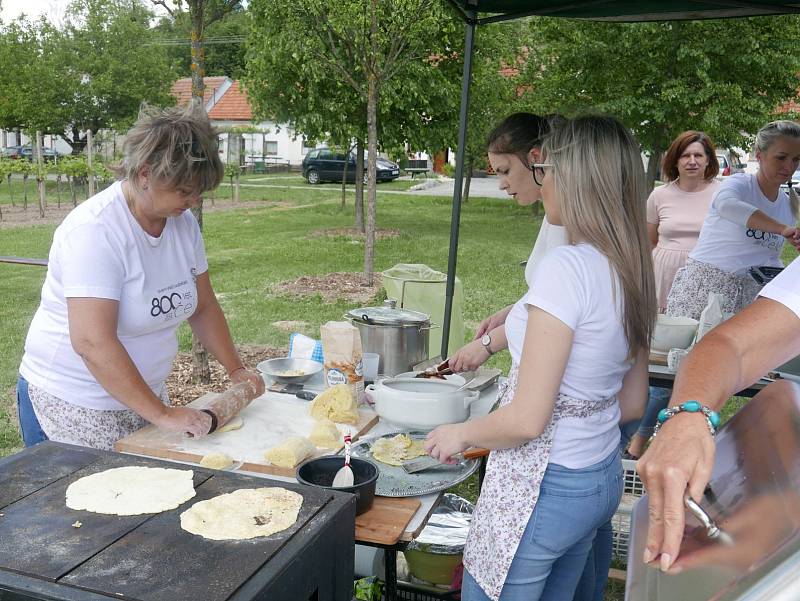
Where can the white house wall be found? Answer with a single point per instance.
(289, 148)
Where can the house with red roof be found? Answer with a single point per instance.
(243, 139)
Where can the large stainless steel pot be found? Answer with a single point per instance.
(399, 336)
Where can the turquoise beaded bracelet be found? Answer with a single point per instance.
(712, 417)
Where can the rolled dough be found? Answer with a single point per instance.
(131, 490)
(236, 423)
(244, 513)
(325, 434)
(216, 461)
(290, 452)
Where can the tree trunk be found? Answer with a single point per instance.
(40, 175)
(201, 368)
(360, 186)
(344, 181)
(25, 192)
(58, 189)
(72, 191)
(10, 190)
(372, 148)
(467, 182)
(652, 167)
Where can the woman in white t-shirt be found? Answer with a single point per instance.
(578, 341)
(513, 146)
(749, 219)
(126, 268)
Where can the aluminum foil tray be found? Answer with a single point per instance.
(393, 481)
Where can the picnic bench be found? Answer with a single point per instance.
(265, 164)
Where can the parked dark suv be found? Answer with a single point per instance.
(324, 165)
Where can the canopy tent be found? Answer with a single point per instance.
(481, 12)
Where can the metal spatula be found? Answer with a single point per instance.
(425, 463)
(344, 477)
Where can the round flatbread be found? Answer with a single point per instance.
(131, 490)
(397, 449)
(244, 513)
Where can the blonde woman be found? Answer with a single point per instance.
(749, 220)
(578, 341)
(126, 268)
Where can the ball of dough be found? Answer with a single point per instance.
(234, 424)
(337, 403)
(216, 461)
(290, 452)
(325, 434)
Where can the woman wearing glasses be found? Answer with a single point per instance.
(579, 340)
(513, 146)
(746, 226)
(126, 268)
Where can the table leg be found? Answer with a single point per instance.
(390, 568)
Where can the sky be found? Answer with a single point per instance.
(53, 9)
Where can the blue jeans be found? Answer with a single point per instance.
(573, 505)
(656, 401)
(31, 430)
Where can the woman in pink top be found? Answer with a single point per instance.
(675, 214)
(676, 210)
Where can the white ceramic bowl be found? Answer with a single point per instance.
(672, 332)
(420, 403)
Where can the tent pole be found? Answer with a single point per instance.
(455, 219)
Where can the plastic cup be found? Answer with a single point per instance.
(370, 362)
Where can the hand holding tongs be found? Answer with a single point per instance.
(713, 532)
(437, 371)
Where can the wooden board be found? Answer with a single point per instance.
(268, 421)
(386, 520)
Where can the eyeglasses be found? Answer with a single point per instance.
(538, 172)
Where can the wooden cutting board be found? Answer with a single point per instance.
(386, 520)
(268, 421)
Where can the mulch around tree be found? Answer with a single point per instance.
(354, 233)
(349, 286)
(182, 387)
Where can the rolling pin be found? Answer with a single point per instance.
(230, 403)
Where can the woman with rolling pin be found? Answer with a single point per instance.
(126, 268)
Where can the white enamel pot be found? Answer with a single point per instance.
(421, 403)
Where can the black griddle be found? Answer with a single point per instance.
(149, 557)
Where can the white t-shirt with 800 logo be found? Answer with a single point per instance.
(726, 242)
(100, 251)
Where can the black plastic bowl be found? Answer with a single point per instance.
(320, 472)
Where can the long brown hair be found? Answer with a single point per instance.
(601, 189)
(669, 166)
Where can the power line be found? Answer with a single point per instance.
(234, 39)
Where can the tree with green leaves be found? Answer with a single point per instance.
(724, 77)
(93, 73)
(366, 50)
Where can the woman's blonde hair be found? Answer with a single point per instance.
(600, 186)
(177, 144)
(771, 133)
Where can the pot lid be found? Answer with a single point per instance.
(388, 316)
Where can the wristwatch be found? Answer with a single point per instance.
(486, 341)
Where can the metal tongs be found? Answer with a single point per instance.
(437, 371)
(713, 532)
